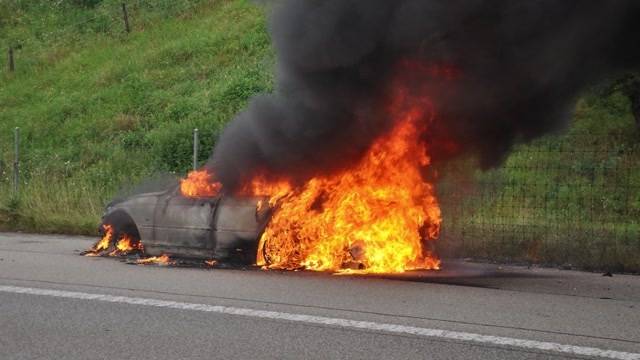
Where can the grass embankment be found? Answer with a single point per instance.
(100, 109)
(571, 198)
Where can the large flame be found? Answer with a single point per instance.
(379, 216)
(199, 183)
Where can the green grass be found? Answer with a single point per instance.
(570, 198)
(100, 109)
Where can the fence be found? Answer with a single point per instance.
(114, 18)
(572, 200)
(16, 158)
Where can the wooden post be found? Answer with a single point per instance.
(12, 66)
(125, 17)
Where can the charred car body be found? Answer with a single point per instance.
(223, 227)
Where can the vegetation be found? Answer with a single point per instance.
(572, 198)
(100, 109)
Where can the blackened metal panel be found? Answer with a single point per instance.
(222, 228)
(140, 208)
(238, 225)
(182, 227)
(237, 215)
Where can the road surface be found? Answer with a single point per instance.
(55, 304)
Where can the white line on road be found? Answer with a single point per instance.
(344, 323)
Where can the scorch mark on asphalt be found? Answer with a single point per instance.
(344, 323)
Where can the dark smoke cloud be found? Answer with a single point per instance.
(521, 65)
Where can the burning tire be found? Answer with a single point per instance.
(122, 225)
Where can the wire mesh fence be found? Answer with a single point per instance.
(112, 18)
(564, 200)
(558, 201)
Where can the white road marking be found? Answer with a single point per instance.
(344, 323)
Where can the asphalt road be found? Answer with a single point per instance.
(55, 304)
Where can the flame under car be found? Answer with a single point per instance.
(224, 228)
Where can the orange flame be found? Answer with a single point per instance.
(159, 260)
(105, 242)
(261, 187)
(199, 183)
(379, 216)
(125, 244)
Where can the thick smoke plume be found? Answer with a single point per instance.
(497, 72)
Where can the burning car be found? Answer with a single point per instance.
(168, 222)
(378, 215)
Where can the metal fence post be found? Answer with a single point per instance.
(16, 161)
(195, 149)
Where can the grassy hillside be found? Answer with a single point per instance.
(571, 198)
(99, 109)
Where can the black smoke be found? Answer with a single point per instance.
(520, 65)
